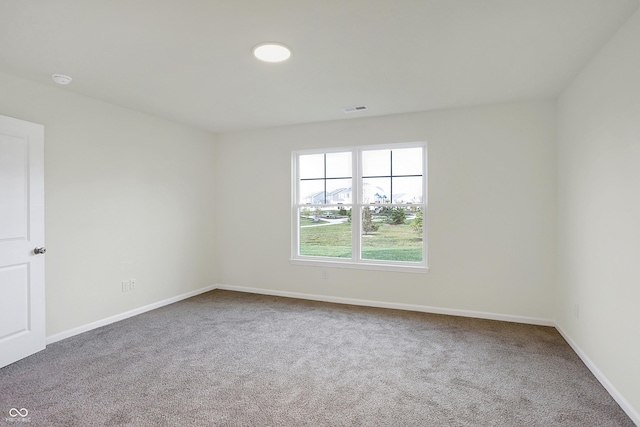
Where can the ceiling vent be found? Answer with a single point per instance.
(61, 79)
(355, 109)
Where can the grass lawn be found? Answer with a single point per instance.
(309, 221)
(390, 242)
(328, 240)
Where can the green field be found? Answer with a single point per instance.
(328, 240)
(390, 242)
(308, 221)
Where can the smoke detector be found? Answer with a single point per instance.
(61, 79)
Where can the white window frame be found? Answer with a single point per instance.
(357, 204)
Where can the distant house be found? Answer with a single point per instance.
(315, 198)
(341, 195)
(344, 195)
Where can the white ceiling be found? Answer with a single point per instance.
(190, 60)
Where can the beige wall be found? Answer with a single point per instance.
(491, 215)
(599, 211)
(127, 196)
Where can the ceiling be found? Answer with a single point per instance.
(190, 60)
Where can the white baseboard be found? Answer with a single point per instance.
(392, 305)
(103, 322)
(624, 404)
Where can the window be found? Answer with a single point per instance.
(361, 207)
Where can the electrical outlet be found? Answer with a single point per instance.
(126, 285)
(325, 275)
(133, 284)
(576, 310)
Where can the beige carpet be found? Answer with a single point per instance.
(232, 359)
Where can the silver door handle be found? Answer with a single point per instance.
(39, 251)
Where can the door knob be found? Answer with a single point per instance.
(38, 251)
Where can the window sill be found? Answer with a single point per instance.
(363, 265)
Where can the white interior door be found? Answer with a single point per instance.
(22, 297)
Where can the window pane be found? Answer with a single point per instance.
(339, 191)
(339, 165)
(325, 232)
(376, 190)
(391, 234)
(311, 192)
(311, 166)
(407, 161)
(407, 190)
(376, 163)
(389, 201)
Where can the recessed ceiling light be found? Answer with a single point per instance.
(272, 52)
(61, 79)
